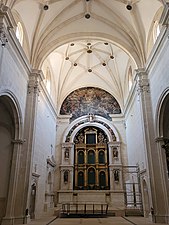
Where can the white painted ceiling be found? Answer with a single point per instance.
(61, 37)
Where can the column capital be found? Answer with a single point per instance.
(6, 17)
(142, 80)
(35, 78)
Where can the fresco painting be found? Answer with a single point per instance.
(90, 100)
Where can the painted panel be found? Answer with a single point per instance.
(90, 100)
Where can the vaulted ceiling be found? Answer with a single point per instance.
(87, 42)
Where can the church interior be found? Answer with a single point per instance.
(84, 108)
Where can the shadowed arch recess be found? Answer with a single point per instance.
(90, 100)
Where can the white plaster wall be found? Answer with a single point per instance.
(134, 135)
(159, 78)
(45, 136)
(13, 77)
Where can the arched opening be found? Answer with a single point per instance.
(164, 126)
(130, 78)
(91, 178)
(156, 31)
(7, 136)
(80, 157)
(48, 79)
(81, 180)
(101, 157)
(19, 32)
(91, 157)
(102, 180)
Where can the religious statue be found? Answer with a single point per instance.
(116, 175)
(115, 153)
(66, 153)
(100, 138)
(66, 176)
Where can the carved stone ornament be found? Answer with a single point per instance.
(115, 152)
(116, 175)
(35, 78)
(66, 153)
(143, 84)
(3, 37)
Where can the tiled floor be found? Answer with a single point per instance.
(94, 221)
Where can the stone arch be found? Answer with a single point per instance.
(14, 106)
(10, 133)
(161, 114)
(162, 129)
(98, 121)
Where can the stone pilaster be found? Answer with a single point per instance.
(21, 208)
(157, 197)
(13, 185)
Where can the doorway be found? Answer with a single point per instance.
(7, 134)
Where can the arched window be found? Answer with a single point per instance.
(102, 180)
(101, 157)
(156, 30)
(91, 177)
(19, 32)
(91, 157)
(130, 78)
(80, 157)
(80, 179)
(48, 79)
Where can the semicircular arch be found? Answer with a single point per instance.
(13, 103)
(161, 106)
(83, 122)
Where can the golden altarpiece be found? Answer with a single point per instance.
(91, 160)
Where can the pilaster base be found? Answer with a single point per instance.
(161, 219)
(15, 220)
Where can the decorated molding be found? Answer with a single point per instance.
(143, 84)
(35, 175)
(35, 78)
(18, 141)
(3, 37)
(97, 121)
(51, 162)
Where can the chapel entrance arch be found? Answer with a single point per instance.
(164, 132)
(8, 134)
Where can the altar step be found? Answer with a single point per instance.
(94, 210)
(134, 212)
